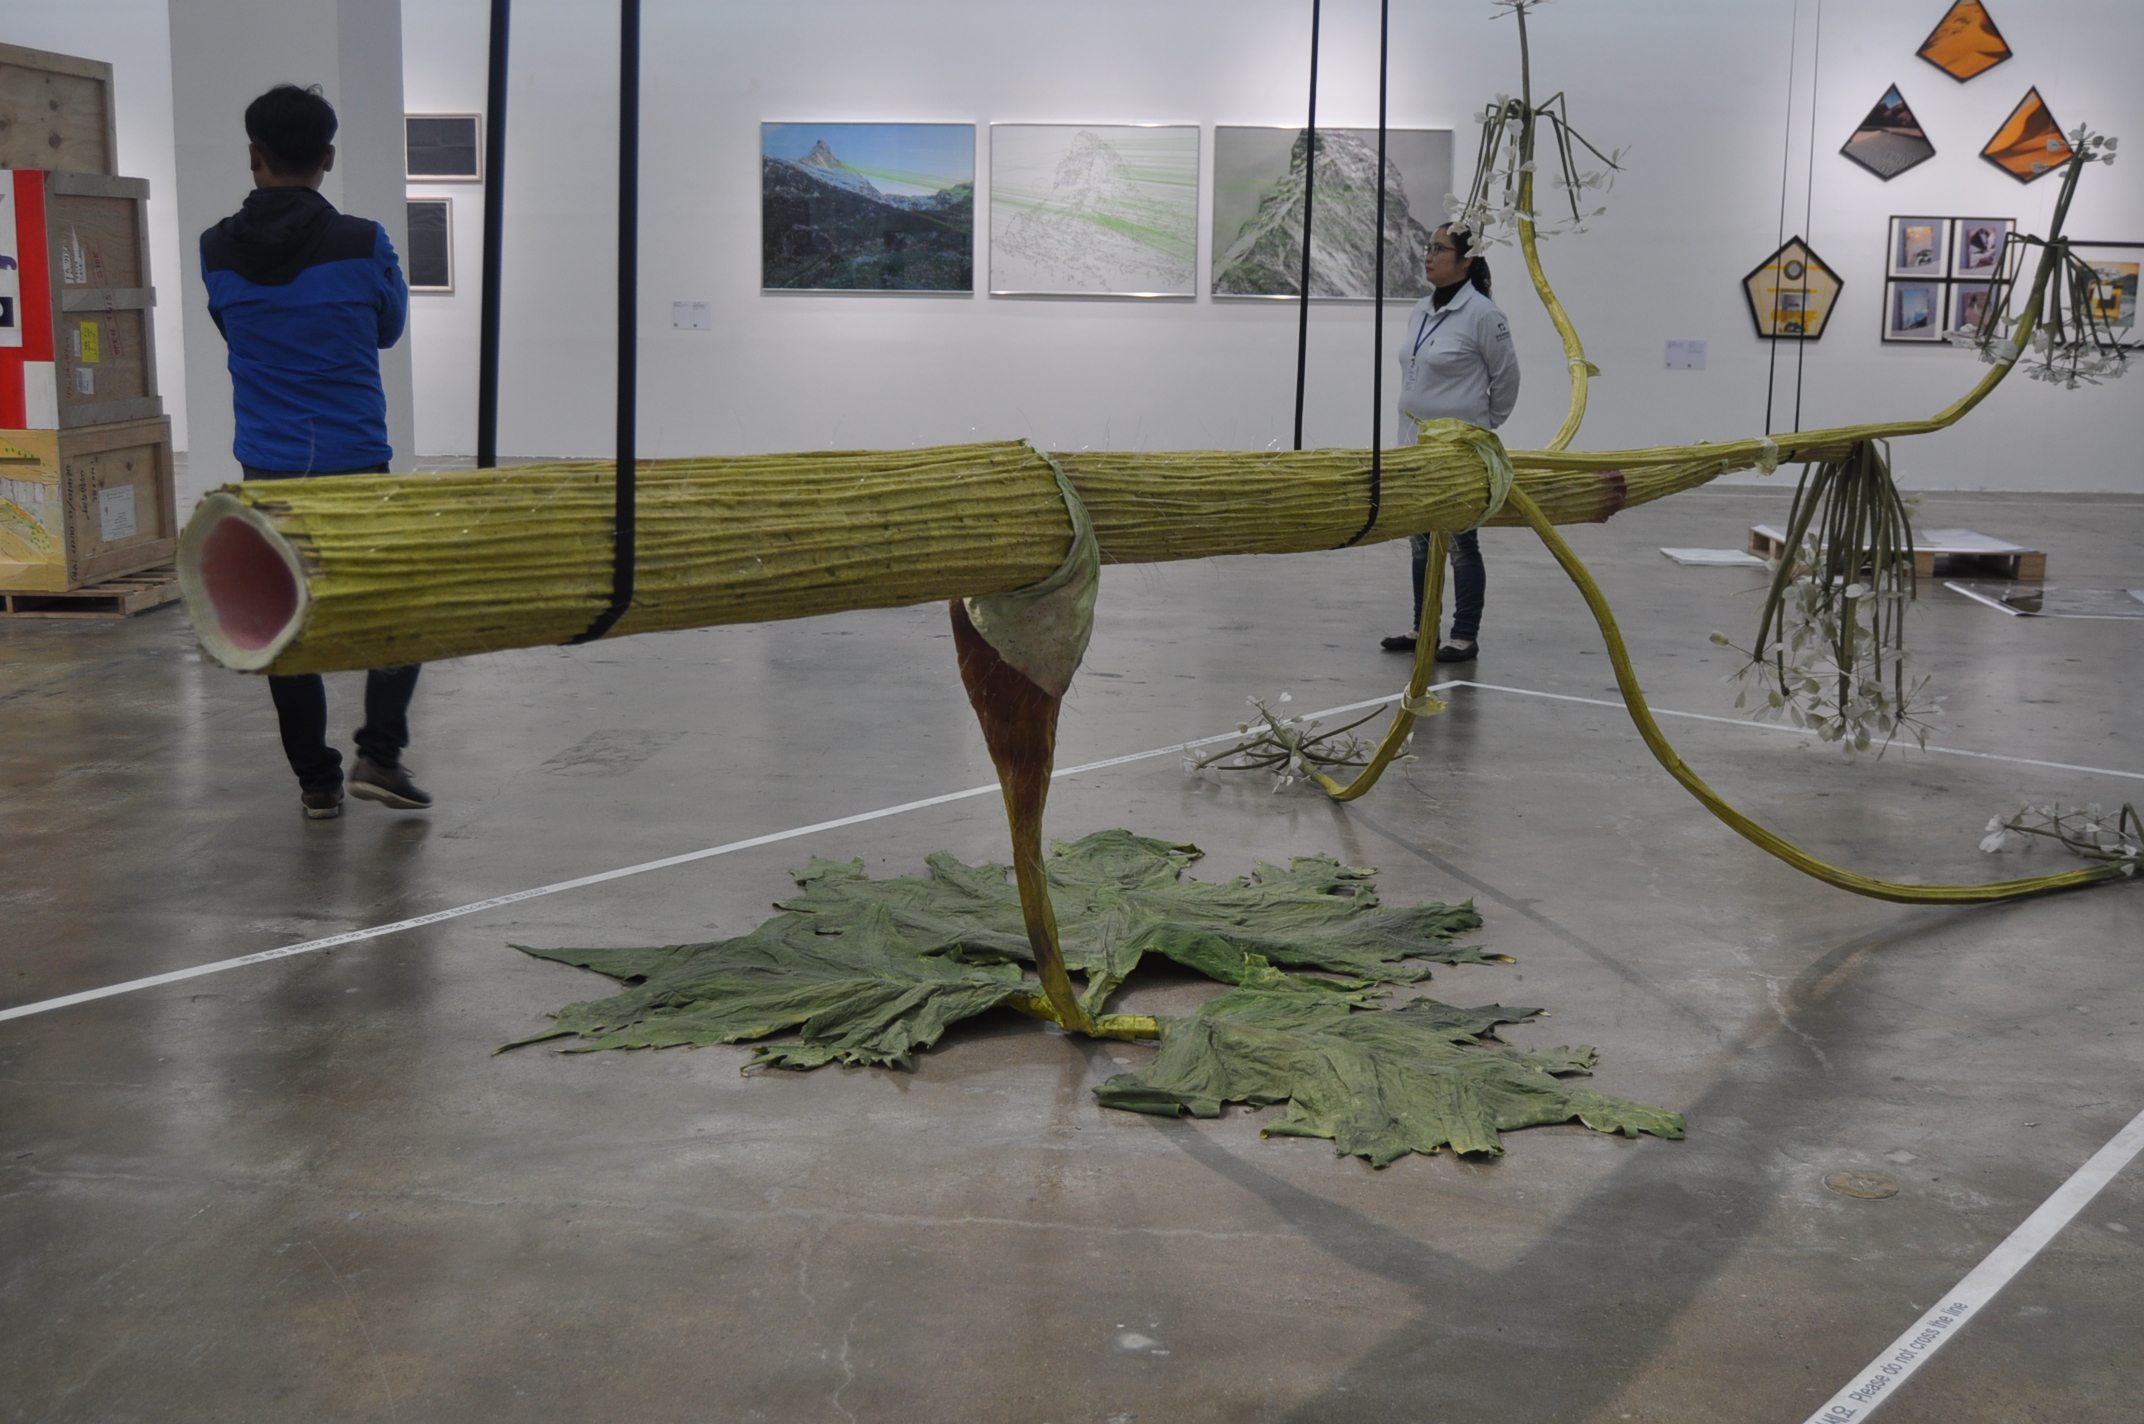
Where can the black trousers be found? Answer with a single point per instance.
(301, 702)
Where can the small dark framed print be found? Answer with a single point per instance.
(430, 262)
(443, 148)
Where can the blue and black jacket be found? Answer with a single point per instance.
(306, 298)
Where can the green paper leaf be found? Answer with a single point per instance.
(853, 999)
(1379, 1084)
(867, 971)
(1120, 897)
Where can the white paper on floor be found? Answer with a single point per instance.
(2037, 601)
(1931, 541)
(1712, 557)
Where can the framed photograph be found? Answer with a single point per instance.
(442, 148)
(1919, 247)
(1258, 211)
(1976, 246)
(2115, 267)
(2030, 142)
(1890, 140)
(1791, 294)
(1094, 210)
(429, 263)
(867, 207)
(1968, 305)
(1965, 42)
(1913, 311)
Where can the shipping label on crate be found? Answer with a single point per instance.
(115, 513)
(33, 552)
(29, 384)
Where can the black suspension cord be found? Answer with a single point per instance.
(1816, 73)
(623, 545)
(1377, 324)
(487, 358)
(1786, 153)
(1310, 173)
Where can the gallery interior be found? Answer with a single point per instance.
(952, 881)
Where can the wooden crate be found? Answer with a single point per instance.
(56, 112)
(77, 330)
(122, 597)
(1960, 551)
(79, 507)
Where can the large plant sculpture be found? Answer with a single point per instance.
(362, 571)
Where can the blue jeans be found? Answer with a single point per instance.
(301, 703)
(1470, 582)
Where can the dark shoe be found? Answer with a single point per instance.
(1398, 643)
(388, 785)
(321, 805)
(1446, 653)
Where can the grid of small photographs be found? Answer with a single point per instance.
(1938, 271)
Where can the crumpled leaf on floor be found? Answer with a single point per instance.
(853, 998)
(1120, 897)
(867, 971)
(1379, 1084)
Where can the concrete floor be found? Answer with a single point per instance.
(306, 1190)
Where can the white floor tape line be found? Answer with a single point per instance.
(1796, 731)
(310, 946)
(1972, 1295)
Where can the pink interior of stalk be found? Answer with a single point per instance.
(248, 584)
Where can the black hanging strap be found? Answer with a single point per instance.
(487, 360)
(1377, 324)
(1310, 173)
(623, 546)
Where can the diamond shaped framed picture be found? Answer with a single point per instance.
(2030, 142)
(1965, 42)
(1890, 139)
(1791, 294)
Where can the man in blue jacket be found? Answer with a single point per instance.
(306, 298)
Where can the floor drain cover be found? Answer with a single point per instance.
(1854, 1184)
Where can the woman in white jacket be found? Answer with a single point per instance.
(1456, 363)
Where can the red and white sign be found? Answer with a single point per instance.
(29, 389)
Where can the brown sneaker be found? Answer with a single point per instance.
(321, 805)
(388, 785)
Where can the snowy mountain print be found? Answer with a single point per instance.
(1093, 209)
(1258, 210)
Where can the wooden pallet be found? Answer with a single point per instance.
(114, 598)
(1960, 550)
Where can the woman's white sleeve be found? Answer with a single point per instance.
(1492, 337)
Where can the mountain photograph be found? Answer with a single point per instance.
(1258, 210)
(867, 207)
(1094, 209)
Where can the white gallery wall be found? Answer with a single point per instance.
(1699, 90)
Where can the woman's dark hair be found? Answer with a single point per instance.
(1478, 270)
(292, 127)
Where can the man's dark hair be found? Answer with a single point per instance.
(292, 127)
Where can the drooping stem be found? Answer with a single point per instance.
(1019, 723)
(1574, 353)
(1656, 742)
